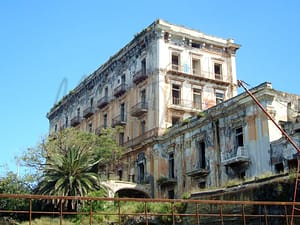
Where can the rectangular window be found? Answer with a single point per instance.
(171, 194)
(106, 92)
(122, 112)
(218, 71)
(67, 121)
(91, 102)
(105, 120)
(143, 96)
(201, 155)
(90, 127)
(197, 99)
(171, 165)
(175, 120)
(121, 138)
(219, 97)
(144, 66)
(196, 66)
(123, 79)
(78, 113)
(239, 139)
(176, 94)
(175, 62)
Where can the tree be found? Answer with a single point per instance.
(68, 162)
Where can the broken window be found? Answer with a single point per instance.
(176, 94)
(218, 71)
(279, 167)
(196, 66)
(175, 61)
(171, 165)
(197, 99)
(219, 97)
(201, 155)
(91, 102)
(239, 139)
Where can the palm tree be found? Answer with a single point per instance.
(70, 174)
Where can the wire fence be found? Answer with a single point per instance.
(111, 211)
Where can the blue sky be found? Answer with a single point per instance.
(43, 43)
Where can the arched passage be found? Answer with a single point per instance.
(131, 193)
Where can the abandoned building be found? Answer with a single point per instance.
(174, 92)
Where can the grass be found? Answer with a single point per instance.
(48, 221)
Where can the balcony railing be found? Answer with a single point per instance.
(102, 102)
(139, 76)
(236, 157)
(200, 170)
(89, 111)
(121, 89)
(75, 121)
(139, 109)
(184, 104)
(119, 120)
(187, 70)
(148, 135)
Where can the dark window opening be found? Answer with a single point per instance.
(78, 113)
(90, 127)
(106, 91)
(279, 167)
(239, 140)
(292, 164)
(171, 165)
(141, 170)
(120, 174)
(202, 184)
(92, 102)
(121, 138)
(201, 155)
(196, 45)
(143, 66)
(175, 120)
(175, 94)
(175, 62)
(197, 99)
(218, 71)
(105, 121)
(122, 112)
(171, 194)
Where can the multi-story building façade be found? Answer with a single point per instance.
(174, 92)
(166, 74)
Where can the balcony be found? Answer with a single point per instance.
(142, 139)
(167, 181)
(199, 170)
(102, 102)
(120, 90)
(187, 71)
(184, 105)
(139, 109)
(139, 76)
(119, 120)
(235, 158)
(75, 121)
(89, 111)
